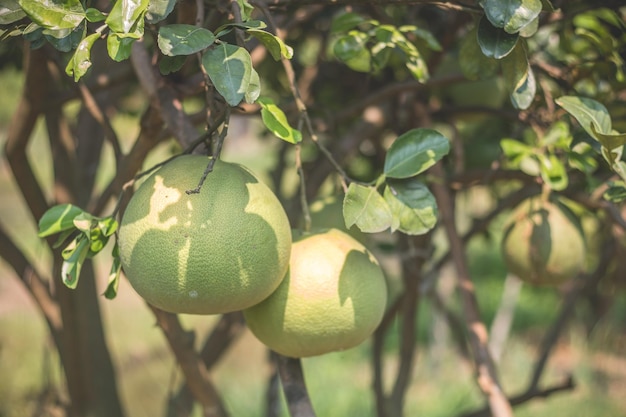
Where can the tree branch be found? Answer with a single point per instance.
(190, 363)
(294, 387)
(487, 374)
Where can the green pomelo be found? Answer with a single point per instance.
(543, 243)
(224, 249)
(333, 298)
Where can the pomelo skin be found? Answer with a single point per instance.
(333, 298)
(543, 243)
(224, 249)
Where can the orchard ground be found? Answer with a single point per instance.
(442, 384)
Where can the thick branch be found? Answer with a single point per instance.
(224, 333)
(485, 367)
(190, 363)
(294, 387)
(21, 128)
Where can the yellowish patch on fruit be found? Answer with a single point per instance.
(543, 243)
(333, 298)
(224, 249)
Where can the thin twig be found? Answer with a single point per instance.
(96, 112)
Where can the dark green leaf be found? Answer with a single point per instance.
(351, 46)
(183, 39)
(81, 60)
(65, 40)
(346, 21)
(94, 15)
(474, 64)
(511, 15)
(10, 11)
(587, 112)
(415, 218)
(230, 69)
(276, 121)
(515, 68)
(170, 64)
(57, 219)
(277, 48)
(74, 256)
(426, 36)
(54, 14)
(495, 42)
(158, 10)
(616, 192)
(250, 24)
(414, 152)
(366, 208)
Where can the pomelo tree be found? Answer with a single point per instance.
(399, 110)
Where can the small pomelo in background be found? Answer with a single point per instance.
(543, 243)
(221, 250)
(333, 298)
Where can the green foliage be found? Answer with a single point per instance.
(405, 203)
(88, 236)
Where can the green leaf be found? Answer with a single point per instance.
(54, 14)
(277, 48)
(94, 15)
(515, 68)
(609, 141)
(158, 10)
(412, 205)
(553, 172)
(58, 219)
(254, 88)
(474, 64)
(351, 46)
(170, 64)
(587, 112)
(246, 9)
(523, 97)
(366, 208)
(511, 15)
(74, 256)
(10, 12)
(119, 47)
(230, 70)
(346, 21)
(127, 15)
(276, 121)
(181, 39)
(494, 42)
(65, 40)
(81, 60)
(427, 37)
(530, 29)
(514, 149)
(114, 275)
(414, 152)
(616, 192)
(228, 27)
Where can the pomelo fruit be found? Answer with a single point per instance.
(224, 249)
(333, 298)
(543, 243)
